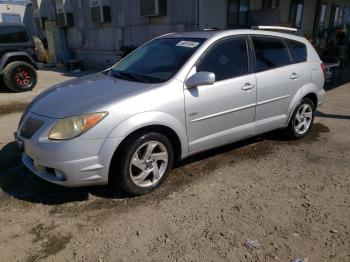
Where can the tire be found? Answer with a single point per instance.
(303, 113)
(136, 171)
(20, 76)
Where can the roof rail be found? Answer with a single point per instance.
(211, 29)
(277, 28)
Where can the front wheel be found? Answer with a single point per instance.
(145, 163)
(302, 119)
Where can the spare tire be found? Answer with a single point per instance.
(40, 49)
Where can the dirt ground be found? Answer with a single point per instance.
(263, 199)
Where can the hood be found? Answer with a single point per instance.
(87, 94)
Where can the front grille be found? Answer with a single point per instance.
(30, 126)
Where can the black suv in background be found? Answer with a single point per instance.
(17, 58)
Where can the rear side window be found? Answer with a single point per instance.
(13, 35)
(227, 59)
(298, 51)
(270, 53)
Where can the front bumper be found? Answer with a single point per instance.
(72, 163)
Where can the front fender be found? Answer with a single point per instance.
(8, 55)
(138, 121)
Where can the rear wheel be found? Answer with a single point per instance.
(302, 119)
(145, 163)
(20, 76)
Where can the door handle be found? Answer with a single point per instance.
(247, 87)
(294, 76)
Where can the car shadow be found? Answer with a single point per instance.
(18, 182)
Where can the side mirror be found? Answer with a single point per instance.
(200, 79)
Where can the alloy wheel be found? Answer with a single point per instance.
(23, 77)
(148, 164)
(303, 119)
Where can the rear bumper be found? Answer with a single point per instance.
(320, 97)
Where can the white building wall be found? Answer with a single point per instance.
(23, 9)
(7, 8)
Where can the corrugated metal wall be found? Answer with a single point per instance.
(97, 44)
(208, 14)
(100, 42)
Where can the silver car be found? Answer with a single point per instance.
(175, 96)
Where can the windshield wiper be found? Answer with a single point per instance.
(129, 76)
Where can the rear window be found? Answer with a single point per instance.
(13, 35)
(270, 53)
(297, 50)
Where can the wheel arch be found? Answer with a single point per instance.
(162, 129)
(16, 56)
(310, 91)
(161, 122)
(313, 97)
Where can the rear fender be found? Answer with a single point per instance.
(302, 92)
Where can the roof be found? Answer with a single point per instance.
(224, 33)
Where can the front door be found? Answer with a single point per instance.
(222, 112)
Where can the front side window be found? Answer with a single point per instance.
(157, 61)
(13, 35)
(297, 50)
(270, 53)
(226, 60)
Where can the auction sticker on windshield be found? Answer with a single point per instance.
(189, 44)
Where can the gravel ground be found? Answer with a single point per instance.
(263, 199)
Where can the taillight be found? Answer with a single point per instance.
(323, 66)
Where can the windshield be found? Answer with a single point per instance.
(157, 61)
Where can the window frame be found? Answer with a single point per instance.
(3, 15)
(293, 13)
(236, 24)
(266, 4)
(319, 25)
(334, 14)
(227, 38)
(254, 63)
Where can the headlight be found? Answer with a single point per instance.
(68, 128)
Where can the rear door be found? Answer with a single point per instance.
(278, 80)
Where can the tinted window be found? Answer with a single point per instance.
(158, 60)
(227, 59)
(270, 53)
(13, 35)
(298, 51)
